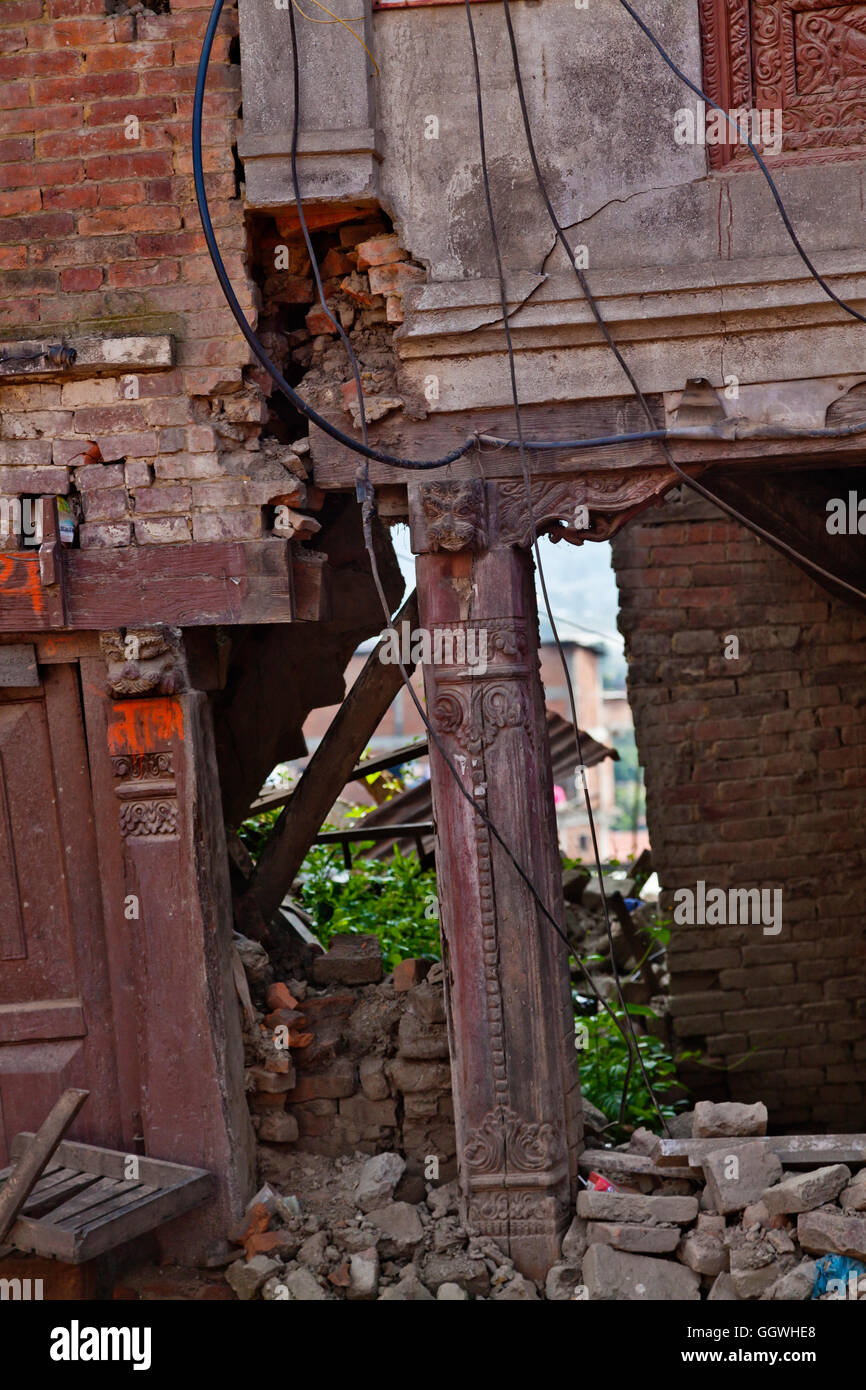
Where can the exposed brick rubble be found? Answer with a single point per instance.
(766, 748)
(365, 273)
(366, 1067)
(350, 1111)
(100, 238)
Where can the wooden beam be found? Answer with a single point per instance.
(36, 1156)
(269, 801)
(793, 507)
(203, 583)
(327, 772)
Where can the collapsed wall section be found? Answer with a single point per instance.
(748, 686)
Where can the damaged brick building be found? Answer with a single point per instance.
(199, 579)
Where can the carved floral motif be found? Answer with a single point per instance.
(473, 718)
(503, 1140)
(148, 818)
(557, 500)
(143, 766)
(804, 57)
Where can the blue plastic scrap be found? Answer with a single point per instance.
(838, 1268)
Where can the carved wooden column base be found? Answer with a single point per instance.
(511, 1023)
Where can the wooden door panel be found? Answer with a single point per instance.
(56, 1026)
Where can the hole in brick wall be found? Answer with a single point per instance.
(235, 50)
(238, 170)
(136, 6)
(349, 250)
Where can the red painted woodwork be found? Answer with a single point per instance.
(56, 1027)
(806, 58)
(514, 1064)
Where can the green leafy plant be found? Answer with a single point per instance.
(604, 1066)
(393, 899)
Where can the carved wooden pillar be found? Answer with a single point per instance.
(514, 1063)
(168, 922)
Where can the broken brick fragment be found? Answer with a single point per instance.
(381, 250)
(357, 288)
(408, 973)
(279, 996)
(395, 279)
(335, 263)
(317, 322)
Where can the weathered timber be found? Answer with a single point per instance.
(92, 1204)
(335, 465)
(185, 585)
(34, 1159)
(511, 1021)
(327, 772)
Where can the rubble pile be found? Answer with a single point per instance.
(351, 1237)
(349, 1088)
(340, 1060)
(723, 1213)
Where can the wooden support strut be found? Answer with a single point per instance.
(33, 1162)
(327, 772)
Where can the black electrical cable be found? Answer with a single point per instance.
(337, 434)
(634, 1053)
(366, 452)
(366, 496)
(681, 473)
(798, 246)
(365, 488)
(231, 298)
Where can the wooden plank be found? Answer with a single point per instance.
(435, 436)
(794, 1150)
(269, 801)
(50, 1169)
(138, 1217)
(40, 1203)
(326, 774)
(42, 1019)
(113, 1204)
(110, 1163)
(108, 1232)
(98, 1192)
(203, 583)
(36, 1155)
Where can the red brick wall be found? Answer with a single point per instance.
(756, 776)
(100, 235)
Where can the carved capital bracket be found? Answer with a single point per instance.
(474, 515)
(575, 509)
(142, 661)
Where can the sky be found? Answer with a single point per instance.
(580, 583)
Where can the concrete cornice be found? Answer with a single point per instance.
(760, 320)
